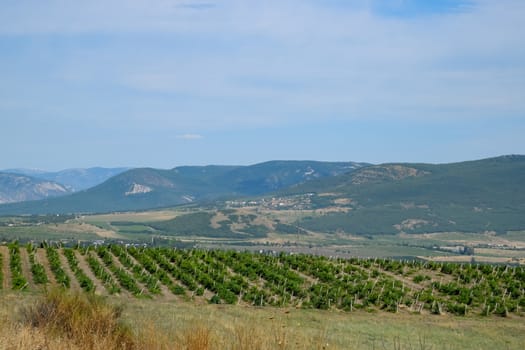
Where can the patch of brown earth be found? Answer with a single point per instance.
(6, 272)
(26, 267)
(65, 266)
(215, 221)
(40, 257)
(83, 265)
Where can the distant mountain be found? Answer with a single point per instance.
(18, 188)
(274, 175)
(147, 188)
(473, 196)
(76, 179)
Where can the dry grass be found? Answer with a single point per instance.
(84, 319)
(197, 337)
(59, 320)
(19, 337)
(238, 327)
(138, 217)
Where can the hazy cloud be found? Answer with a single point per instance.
(137, 66)
(306, 59)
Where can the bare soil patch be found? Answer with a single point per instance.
(216, 219)
(26, 267)
(161, 215)
(6, 272)
(40, 256)
(470, 239)
(65, 266)
(80, 228)
(468, 259)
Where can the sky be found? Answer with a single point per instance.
(163, 83)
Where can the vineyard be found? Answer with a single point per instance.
(282, 280)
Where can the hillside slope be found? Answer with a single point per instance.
(474, 196)
(147, 188)
(18, 188)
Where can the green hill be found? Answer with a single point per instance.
(474, 196)
(146, 188)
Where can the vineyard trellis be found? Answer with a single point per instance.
(84, 281)
(298, 280)
(54, 263)
(37, 269)
(18, 280)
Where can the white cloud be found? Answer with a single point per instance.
(231, 63)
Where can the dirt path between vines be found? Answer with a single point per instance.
(40, 257)
(84, 266)
(166, 294)
(6, 272)
(123, 291)
(65, 266)
(118, 264)
(26, 268)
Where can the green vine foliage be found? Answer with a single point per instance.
(285, 280)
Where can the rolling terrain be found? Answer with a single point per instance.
(292, 256)
(481, 197)
(147, 188)
(309, 203)
(477, 196)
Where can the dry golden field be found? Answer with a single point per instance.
(153, 324)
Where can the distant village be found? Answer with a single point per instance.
(297, 202)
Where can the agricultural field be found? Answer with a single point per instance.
(277, 280)
(300, 299)
(255, 229)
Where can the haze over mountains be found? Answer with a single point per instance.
(19, 188)
(75, 179)
(146, 188)
(472, 196)
(20, 185)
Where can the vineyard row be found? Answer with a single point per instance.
(260, 280)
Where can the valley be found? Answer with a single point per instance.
(262, 229)
(227, 255)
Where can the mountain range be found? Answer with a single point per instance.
(475, 196)
(19, 188)
(485, 195)
(74, 179)
(146, 188)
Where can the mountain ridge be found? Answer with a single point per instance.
(76, 179)
(146, 188)
(19, 188)
(471, 196)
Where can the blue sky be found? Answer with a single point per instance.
(166, 83)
